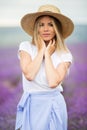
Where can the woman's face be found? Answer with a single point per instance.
(46, 29)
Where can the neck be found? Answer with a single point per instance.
(46, 42)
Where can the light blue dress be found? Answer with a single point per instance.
(42, 111)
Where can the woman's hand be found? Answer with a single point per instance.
(51, 47)
(42, 45)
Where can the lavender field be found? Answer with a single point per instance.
(75, 87)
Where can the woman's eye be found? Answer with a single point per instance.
(40, 25)
(50, 24)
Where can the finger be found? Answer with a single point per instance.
(53, 42)
(50, 43)
(41, 40)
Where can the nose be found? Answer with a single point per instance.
(46, 28)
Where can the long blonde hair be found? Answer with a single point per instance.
(60, 45)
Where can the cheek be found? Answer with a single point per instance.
(53, 34)
(40, 34)
(39, 31)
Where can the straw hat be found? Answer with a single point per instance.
(28, 21)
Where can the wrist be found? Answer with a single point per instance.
(41, 52)
(47, 54)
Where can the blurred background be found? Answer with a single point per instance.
(11, 34)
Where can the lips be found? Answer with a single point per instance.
(46, 35)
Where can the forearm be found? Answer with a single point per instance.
(31, 67)
(55, 75)
(51, 73)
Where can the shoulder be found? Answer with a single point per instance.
(26, 46)
(62, 57)
(67, 57)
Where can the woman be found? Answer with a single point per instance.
(44, 64)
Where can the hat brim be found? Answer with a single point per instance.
(28, 21)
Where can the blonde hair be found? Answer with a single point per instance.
(60, 45)
(35, 39)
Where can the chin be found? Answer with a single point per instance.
(46, 41)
